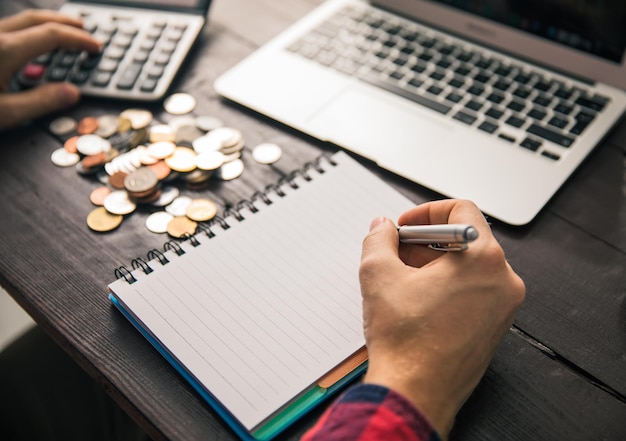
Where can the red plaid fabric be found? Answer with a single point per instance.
(368, 412)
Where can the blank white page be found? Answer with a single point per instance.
(261, 311)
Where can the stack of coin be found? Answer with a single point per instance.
(139, 160)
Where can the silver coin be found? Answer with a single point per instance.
(161, 149)
(63, 158)
(210, 160)
(63, 126)
(179, 121)
(118, 203)
(197, 176)
(168, 194)
(157, 222)
(206, 144)
(178, 207)
(145, 157)
(139, 118)
(227, 135)
(231, 157)
(92, 145)
(186, 135)
(141, 180)
(266, 153)
(208, 123)
(179, 104)
(234, 148)
(107, 126)
(230, 170)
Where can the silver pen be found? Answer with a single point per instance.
(444, 237)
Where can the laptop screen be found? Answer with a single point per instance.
(594, 27)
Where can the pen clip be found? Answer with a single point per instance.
(448, 247)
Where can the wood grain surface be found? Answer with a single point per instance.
(559, 374)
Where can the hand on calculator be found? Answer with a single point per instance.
(25, 36)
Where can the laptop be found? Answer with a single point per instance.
(146, 42)
(494, 101)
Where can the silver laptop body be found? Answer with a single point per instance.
(510, 171)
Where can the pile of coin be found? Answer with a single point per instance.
(140, 161)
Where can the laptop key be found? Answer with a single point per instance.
(488, 126)
(550, 135)
(420, 99)
(515, 121)
(537, 114)
(494, 113)
(593, 103)
(530, 144)
(465, 117)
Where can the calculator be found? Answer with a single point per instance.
(145, 44)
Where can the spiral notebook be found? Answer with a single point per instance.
(261, 310)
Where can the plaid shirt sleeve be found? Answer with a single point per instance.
(369, 412)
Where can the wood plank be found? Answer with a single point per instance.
(572, 259)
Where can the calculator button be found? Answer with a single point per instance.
(121, 40)
(108, 65)
(44, 59)
(107, 28)
(58, 74)
(155, 72)
(162, 58)
(90, 61)
(101, 79)
(141, 56)
(129, 76)
(68, 59)
(147, 45)
(149, 84)
(80, 77)
(128, 30)
(174, 34)
(33, 71)
(117, 53)
(154, 33)
(167, 47)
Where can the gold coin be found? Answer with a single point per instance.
(123, 124)
(101, 220)
(182, 160)
(201, 210)
(181, 226)
(161, 132)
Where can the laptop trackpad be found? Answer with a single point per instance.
(389, 130)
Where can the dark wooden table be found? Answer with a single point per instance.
(560, 374)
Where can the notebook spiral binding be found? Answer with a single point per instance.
(235, 212)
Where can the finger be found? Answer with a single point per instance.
(379, 255)
(446, 211)
(34, 17)
(16, 108)
(21, 46)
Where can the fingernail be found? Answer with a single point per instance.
(376, 222)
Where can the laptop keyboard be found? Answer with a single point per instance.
(526, 107)
(140, 57)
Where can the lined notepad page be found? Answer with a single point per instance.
(262, 310)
